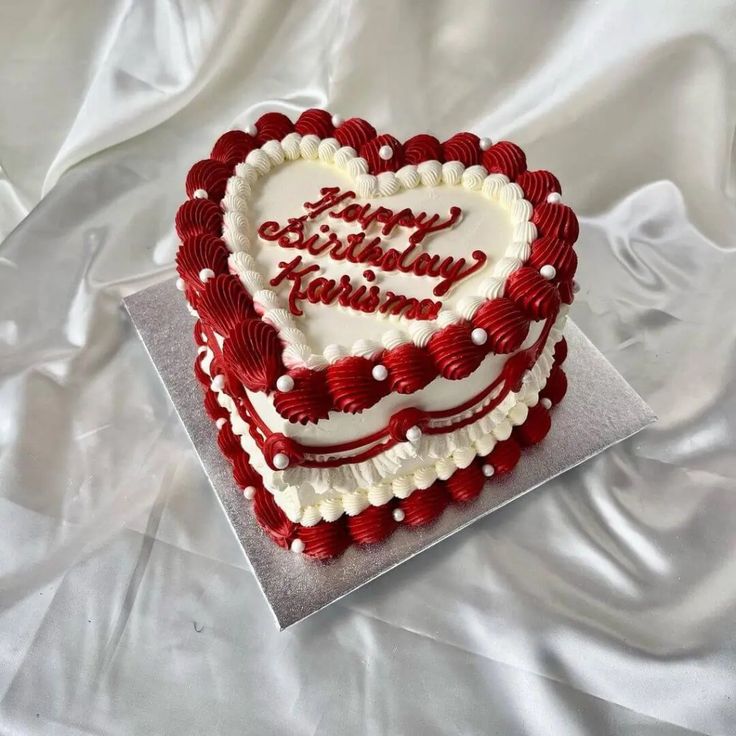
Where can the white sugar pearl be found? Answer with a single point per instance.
(413, 434)
(554, 198)
(546, 403)
(221, 422)
(398, 515)
(285, 383)
(488, 471)
(484, 143)
(548, 272)
(218, 383)
(385, 152)
(297, 546)
(379, 372)
(575, 287)
(249, 492)
(336, 121)
(479, 336)
(180, 284)
(206, 274)
(200, 194)
(280, 461)
(250, 129)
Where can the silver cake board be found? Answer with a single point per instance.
(599, 410)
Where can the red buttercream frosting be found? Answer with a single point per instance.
(505, 158)
(198, 216)
(409, 368)
(560, 351)
(454, 352)
(273, 519)
(554, 252)
(224, 303)
(535, 427)
(354, 133)
(504, 456)
(506, 325)
(325, 540)
(462, 147)
(422, 147)
(315, 122)
(465, 484)
(308, 401)
(424, 506)
(253, 353)
(377, 165)
(352, 385)
(557, 221)
(209, 175)
(372, 524)
(197, 253)
(556, 387)
(536, 296)
(537, 185)
(233, 147)
(273, 126)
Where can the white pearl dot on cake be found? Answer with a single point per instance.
(546, 403)
(285, 383)
(575, 287)
(200, 194)
(385, 152)
(398, 515)
(379, 372)
(249, 492)
(280, 461)
(180, 284)
(220, 423)
(548, 272)
(250, 129)
(554, 198)
(484, 143)
(336, 121)
(218, 383)
(488, 470)
(413, 434)
(206, 274)
(297, 546)
(479, 336)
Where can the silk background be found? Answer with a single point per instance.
(603, 603)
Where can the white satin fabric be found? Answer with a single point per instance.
(603, 603)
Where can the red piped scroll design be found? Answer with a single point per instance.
(327, 540)
(410, 368)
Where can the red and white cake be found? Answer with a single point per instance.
(379, 323)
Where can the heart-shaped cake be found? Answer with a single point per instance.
(379, 323)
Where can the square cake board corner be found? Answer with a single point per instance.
(599, 410)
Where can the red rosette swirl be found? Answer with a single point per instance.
(556, 221)
(560, 351)
(424, 506)
(422, 147)
(535, 427)
(454, 352)
(554, 252)
(465, 484)
(308, 401)
(352, 385)
(279, 444)
(253, 353)
(224, 304)
(243, 472)
(534, 294)
(194, 255)
(209, 175)
(315, 122)
(403, 420)
(377, 165)
(556, 386)
(505, 158)
(462, 147)
(409, 368)
(504, 456)
(372, 524)
(354, 132)
(199, 338)
(537, 185)
(325, 540)
(505, 324)
(273, 126)
(272, 519)
(228, 442)
(233, 147)
(197, 216)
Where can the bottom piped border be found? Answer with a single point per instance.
(329, 539)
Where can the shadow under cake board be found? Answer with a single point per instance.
(599, 410)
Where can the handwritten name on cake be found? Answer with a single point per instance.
(361, 249)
